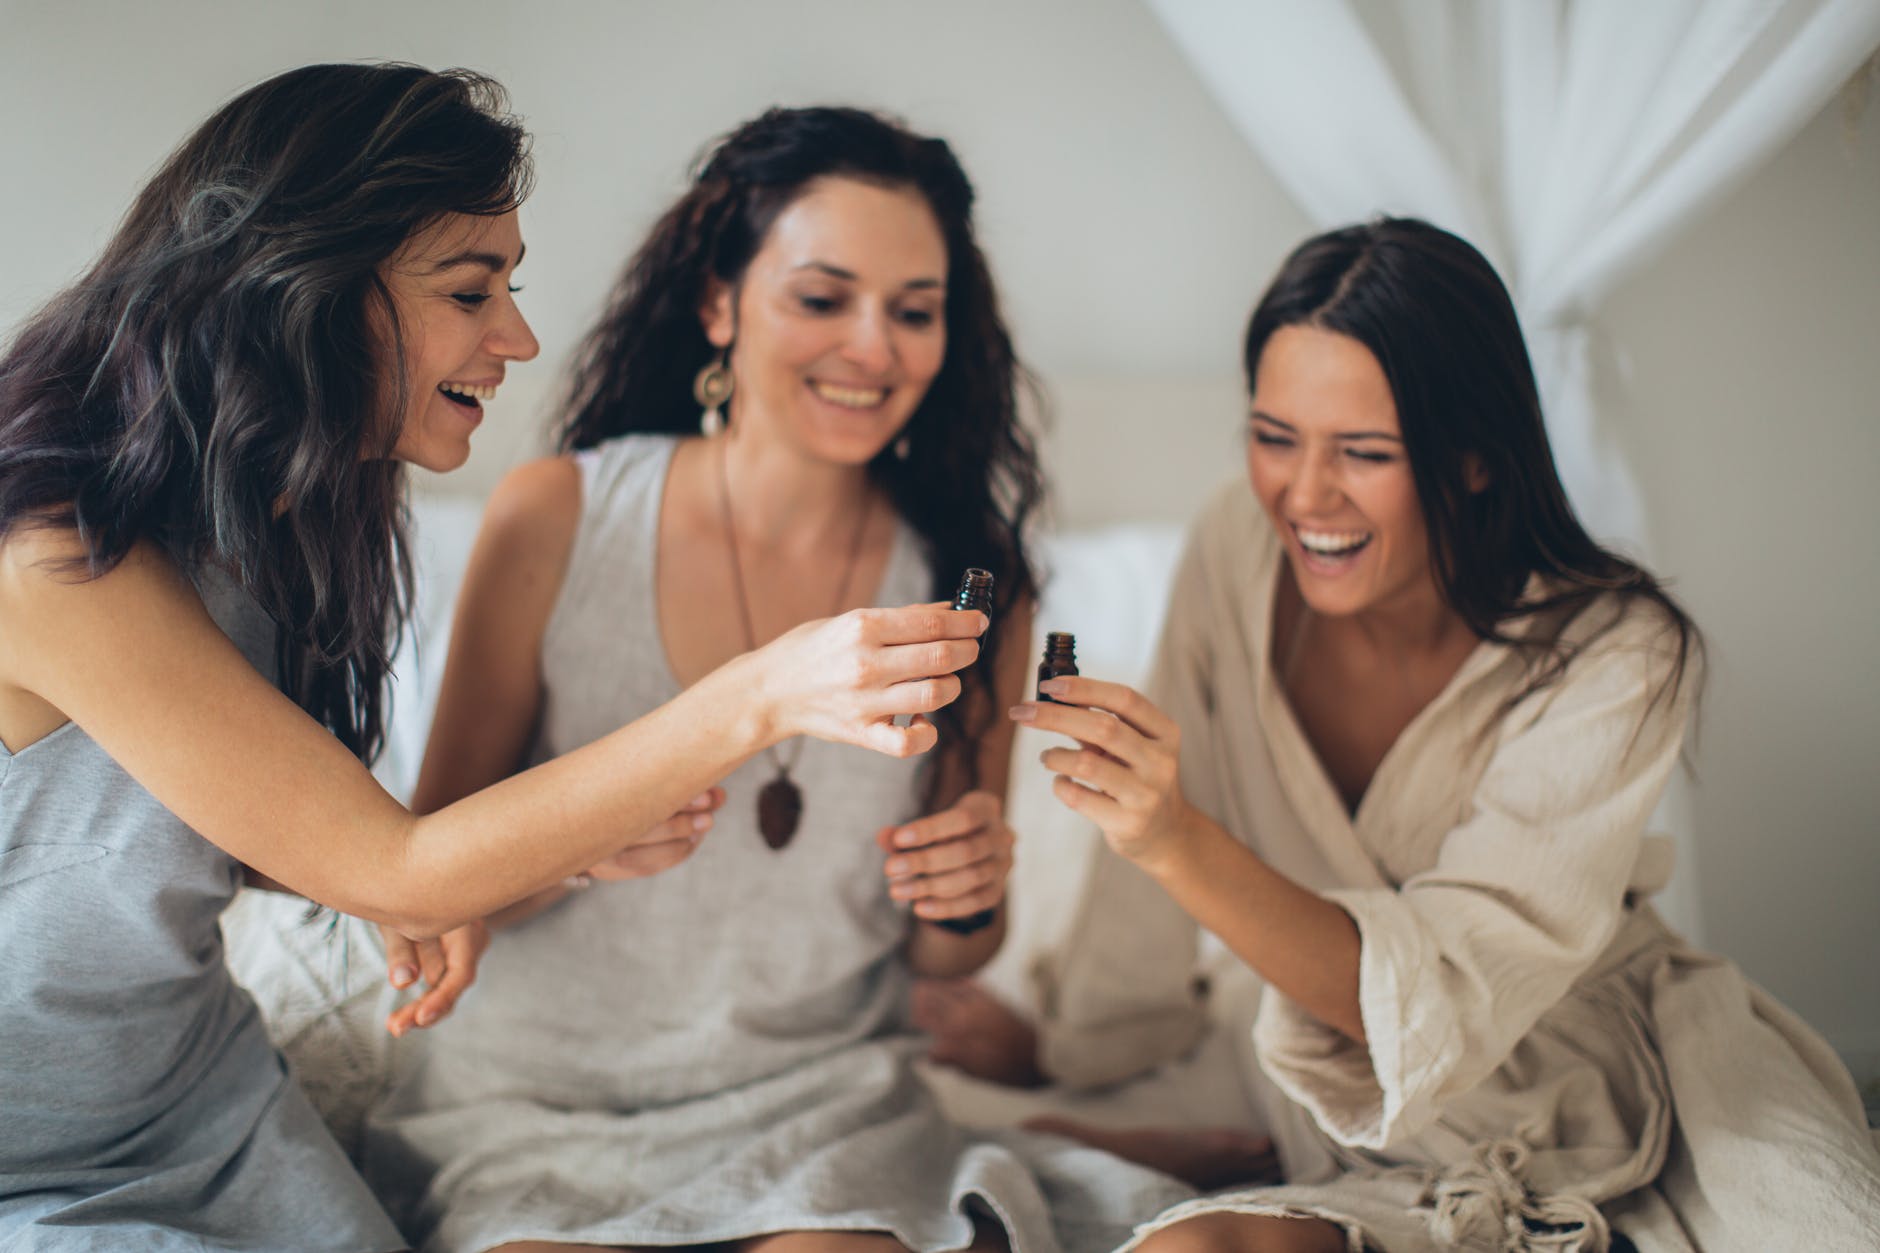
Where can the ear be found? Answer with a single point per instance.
(1474, 474)
(717, 313)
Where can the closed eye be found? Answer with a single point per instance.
(1268, 439)
(1373, 458)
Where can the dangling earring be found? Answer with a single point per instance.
(902, 447)
(711, 388)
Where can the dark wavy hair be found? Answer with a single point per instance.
(971, 479)
(1436, 316)
(225, 380)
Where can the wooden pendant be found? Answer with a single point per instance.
(779, 809)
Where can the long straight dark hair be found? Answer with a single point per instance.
(1436, 316)
(971, 477)
(225, 380)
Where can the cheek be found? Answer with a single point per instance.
(923, 357)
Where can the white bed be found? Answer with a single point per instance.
(321, 982)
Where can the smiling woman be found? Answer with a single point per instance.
(202, 573)
(749, 1084)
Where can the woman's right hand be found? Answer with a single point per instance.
(846, 678)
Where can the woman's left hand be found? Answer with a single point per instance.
(1125, 775)
(952, 864)
(447, 964)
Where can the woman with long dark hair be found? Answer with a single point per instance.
(202, 574)
(721, 1054)
(1406, 728)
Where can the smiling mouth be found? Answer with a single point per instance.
(1331, 547)
(850, 397)
(467, 395)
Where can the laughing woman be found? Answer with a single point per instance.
(1405, 730)
(201, 477)
(721, 1053)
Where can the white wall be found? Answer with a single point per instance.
(1131, 230)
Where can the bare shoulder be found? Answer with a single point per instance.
(534, 510)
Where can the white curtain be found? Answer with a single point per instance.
(1568, 139)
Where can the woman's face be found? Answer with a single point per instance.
(1326, 456)
(450, 289)
(841, 320)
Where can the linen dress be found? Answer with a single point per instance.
(141, 1105)
(721, 1050)
(1547, 1063)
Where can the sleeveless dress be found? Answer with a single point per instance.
(722, 1050)
(141, 1105)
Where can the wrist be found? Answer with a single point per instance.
(754, 722)
(1171, 850)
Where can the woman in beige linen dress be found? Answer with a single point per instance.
(1408, 725)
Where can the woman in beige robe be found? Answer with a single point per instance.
(1406, 728)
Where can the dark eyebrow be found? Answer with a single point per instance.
(1288, 427)
(847, 276)
(494, 262)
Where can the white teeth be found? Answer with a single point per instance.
(473, 391)
(1331, 543)
(851, 397)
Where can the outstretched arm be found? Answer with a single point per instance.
(134, 658)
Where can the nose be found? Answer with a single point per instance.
(1315, 487)
(511, 338)
(870, 343)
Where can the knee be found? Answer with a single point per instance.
(1246, 1233)
(1208, 1233)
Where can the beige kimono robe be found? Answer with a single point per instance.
(1546, 1062)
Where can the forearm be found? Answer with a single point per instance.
(935, 952)
(523, 835)
(1299, 942)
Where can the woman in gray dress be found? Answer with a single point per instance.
(201, 576)
(723, 1053)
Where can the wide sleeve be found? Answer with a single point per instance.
(1460, 962)
(1120, 996)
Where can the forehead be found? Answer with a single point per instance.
(872, 231)
(1310, 377)
(460, 237)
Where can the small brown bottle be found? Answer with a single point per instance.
(1060, 658)
(975, 593)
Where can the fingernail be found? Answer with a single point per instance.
(896, 866)
(900, 891)
(402, 975)
(905, 838)
(701, 800)
(1022, 713)
(1055, 687)
(427, 1016)
(701, 822)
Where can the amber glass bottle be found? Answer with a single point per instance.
(1060, 658)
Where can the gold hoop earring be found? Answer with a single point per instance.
(711, 387)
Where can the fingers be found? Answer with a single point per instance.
(918, 696)
(1094, 770)
(1089, 726)
(401, 958)
(1125, 702)
(450, 967)
(647, 858)
(911, 740)
(962, 873)
(915, 624)
(904, 662)
(948, 824)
